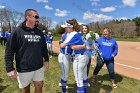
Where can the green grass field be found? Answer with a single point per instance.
(57, 37)
(52, 76)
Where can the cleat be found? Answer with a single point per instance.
(50, 56)
(88, 85)
(67, 87)
(60, 85)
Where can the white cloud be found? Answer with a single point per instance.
(61, 13)
(130, 3)
(108, 9)
(44, 1)
(123, 18)
(48, 7)
(54, 23)
(80, 23)
(95, 2)
(1, 6)
(95, 17)
(119, 6)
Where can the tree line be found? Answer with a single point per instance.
(120, 28)
(129, 28)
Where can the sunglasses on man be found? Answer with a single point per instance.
(36, 17)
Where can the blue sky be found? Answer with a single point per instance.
(85, 11)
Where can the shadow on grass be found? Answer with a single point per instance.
(2, 87)
(55, 54)
(98, 85)
(72, 88)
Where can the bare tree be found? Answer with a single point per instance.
(3, 21)
(16, 18)
(128, 28)
(46, 21)
(9, 18)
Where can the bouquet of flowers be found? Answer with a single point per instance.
(91, 37)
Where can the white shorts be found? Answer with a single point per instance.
(24, 79)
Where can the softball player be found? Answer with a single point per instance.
(64, 58)
(76, 41)
(49, 40)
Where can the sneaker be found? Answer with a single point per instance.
(88, 85)
(60, 85)
(67, 87)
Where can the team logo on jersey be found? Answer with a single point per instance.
(32, 38)
(107, 44)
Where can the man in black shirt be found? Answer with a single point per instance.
(28, 45)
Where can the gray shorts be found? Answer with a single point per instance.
(24, 79)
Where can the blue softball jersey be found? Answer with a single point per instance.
(49, 39)
(77, 39)
(67, 49)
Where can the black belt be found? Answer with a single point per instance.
(80, 54)
(66, 54)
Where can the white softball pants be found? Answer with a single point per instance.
(80, 68)
(64, 61)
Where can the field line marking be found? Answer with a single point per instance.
(118, 63)
(128, 66)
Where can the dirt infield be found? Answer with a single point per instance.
(127, 62)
